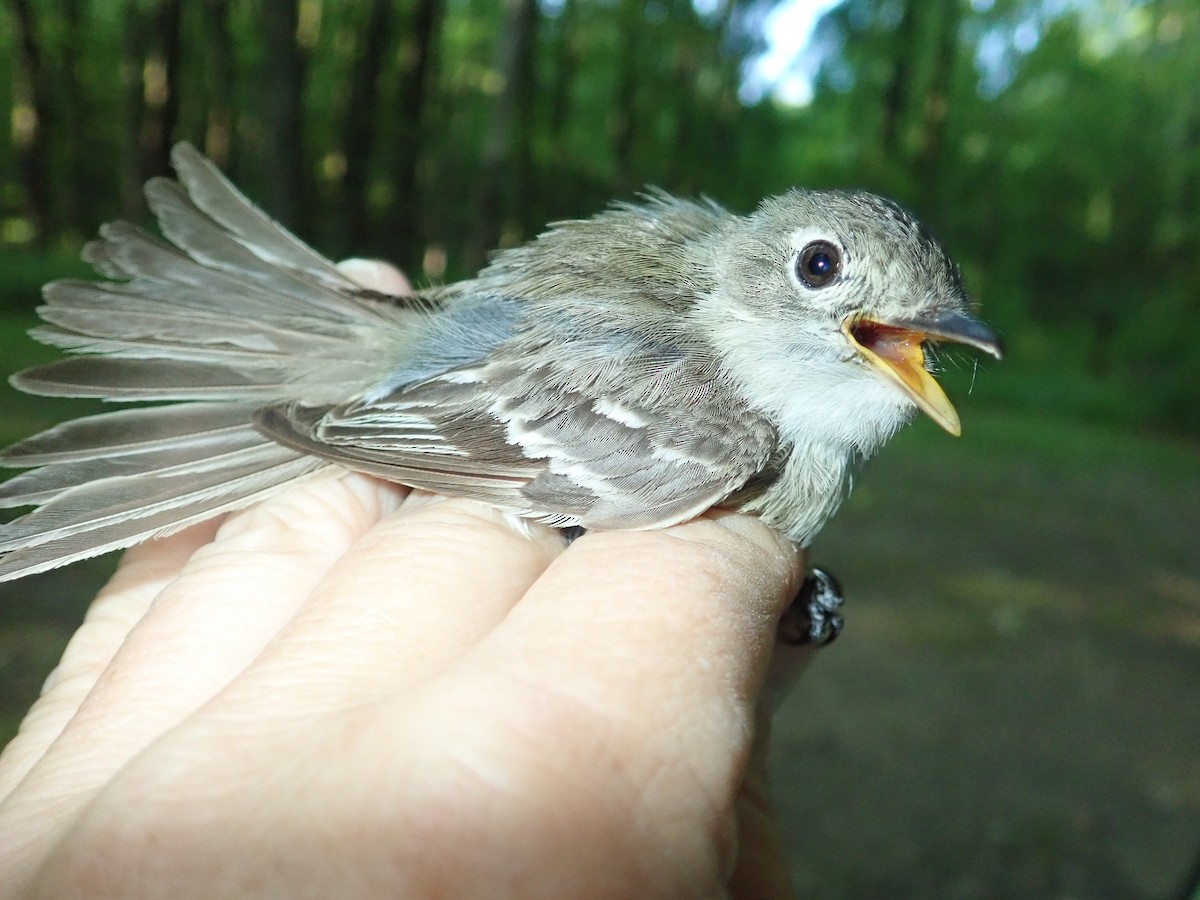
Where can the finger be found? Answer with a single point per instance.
(231, 597)
(408, 592)
(618, 714)
(376, 275)
(762, 869)
(698, 602)
(419, 589)
(143, 572)
(580, 728)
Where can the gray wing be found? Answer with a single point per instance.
(558, 434)
(601, 405)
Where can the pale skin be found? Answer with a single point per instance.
(359, 691)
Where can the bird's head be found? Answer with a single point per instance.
(829, 300)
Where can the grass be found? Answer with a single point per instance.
(1070, 510)
(1012, 710)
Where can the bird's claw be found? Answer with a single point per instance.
(813, 618)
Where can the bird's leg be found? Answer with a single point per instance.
(813, 617)
(572, 533)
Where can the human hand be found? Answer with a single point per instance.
(354, 690)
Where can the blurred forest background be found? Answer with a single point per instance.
(1055, 144)
(1012, 712)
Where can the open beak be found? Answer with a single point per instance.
(897, 351)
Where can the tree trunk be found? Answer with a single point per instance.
(133, 60)
(404, 217)
(899, 86)
(161, 90)
(358, 128)
(283, 85)
(218, 128)
(503, 172)
(937, 101)
(566, 61)
(694, 119)
(624, 112)
(32, 125)
(80, 195)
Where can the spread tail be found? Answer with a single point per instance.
(229, 314)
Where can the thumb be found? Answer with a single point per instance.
(762, 869)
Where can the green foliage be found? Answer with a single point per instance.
(23, 272)
(1056, 147)
(1059, 155)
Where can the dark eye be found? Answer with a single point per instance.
(818, 264)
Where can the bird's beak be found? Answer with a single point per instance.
(897, 350)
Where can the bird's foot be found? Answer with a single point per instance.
(813, 617)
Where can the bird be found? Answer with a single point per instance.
(627, 371)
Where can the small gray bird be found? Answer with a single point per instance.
(628, 371)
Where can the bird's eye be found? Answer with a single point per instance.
(818, 264)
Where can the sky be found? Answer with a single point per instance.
(784, 70)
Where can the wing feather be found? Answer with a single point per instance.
(597, 451)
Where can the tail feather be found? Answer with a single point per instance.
(208, 244)
(78, 529)
(126, 251)
(229, 314)
(111, 377)
(217, 198)
(126, 431)
(146, 325)
(193, 453)
(94, 505)
(178, 276)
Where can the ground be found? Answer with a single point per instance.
(1012, 709)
